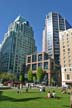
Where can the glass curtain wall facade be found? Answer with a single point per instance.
(54, 22)
(18, 42)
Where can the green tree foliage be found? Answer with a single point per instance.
(34, 79)
(21, 77)
(39, 74)
(6, 76)
(30, 76)
(52, 81)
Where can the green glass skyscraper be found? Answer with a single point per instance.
(17, 43)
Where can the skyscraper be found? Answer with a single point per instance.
(54, 22)
(65, 38)
(17, 43)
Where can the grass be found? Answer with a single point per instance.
(33, 99)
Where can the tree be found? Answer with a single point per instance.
(11, 76)
(34, 79)
(21, 77)
(6, 76)
(30, 76)
(39, 74)
(52, 81)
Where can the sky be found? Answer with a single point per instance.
(35, 12)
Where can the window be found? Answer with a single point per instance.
(39, 64)
(33, 66)
(64, 61)
(67, 34)
(40, 57)
(63, 50)
(45, 65)
(70, 69)
(45, 56)
(34, 58)
(28, 67)
(67, 41)
(68, 49)
(65, 70)
(29, 59)
(68, 77)
(63, 46)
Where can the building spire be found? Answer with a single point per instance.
(20, 19)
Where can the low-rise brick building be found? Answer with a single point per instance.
(47, 64)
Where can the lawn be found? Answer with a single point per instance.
(33, 99)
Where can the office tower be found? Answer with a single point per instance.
(17, 43)
(54, 22)
(65, 38)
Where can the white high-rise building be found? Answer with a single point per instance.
(65, 38)
(44, 41)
